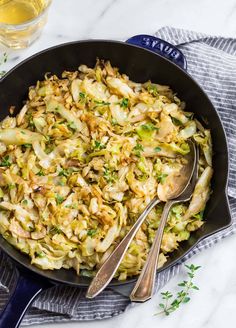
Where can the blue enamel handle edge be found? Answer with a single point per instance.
(161, 47)
(26, 290)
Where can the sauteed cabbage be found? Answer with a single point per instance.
(82, 159)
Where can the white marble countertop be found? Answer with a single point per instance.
(214, 305)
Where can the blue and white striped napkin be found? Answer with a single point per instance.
(212, 62)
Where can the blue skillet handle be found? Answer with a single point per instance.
(161, 47)
(28, 286)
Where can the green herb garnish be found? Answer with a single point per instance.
(161, 177)
(72, 126)
(39, 254)
(146, 131)
(30, 120)
(25, 202)
(98, 145)
(124, 103)
(5, 161)
(152, 89)
(40, 173)
(91, 232)
(11, 186)
(137, 149)
(157, 149)
(182, 296)
(27, 145)
(109, 175)
(55, 230)
(64, 173)
(82, 96)
(59, 199)
(149, 127)
(143, 177)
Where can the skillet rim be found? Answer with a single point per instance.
(115, 282)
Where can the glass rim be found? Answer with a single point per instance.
(28, 22)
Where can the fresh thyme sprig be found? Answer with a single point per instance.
(170, 303)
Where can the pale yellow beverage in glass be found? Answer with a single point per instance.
(21, 21)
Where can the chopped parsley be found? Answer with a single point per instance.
(149, 127)
(55, 230)
(39, 254)
(59, 199)
(157, 149)
(91, 232)
(72, 126)
(146, 131)
(31, 121)
(11, 186)
(152, 89)
(5, 161)
(137, 149)
(82, 96)
(40, 173)
(142, 177)
(124, 103)
(64, 173)
(25, 202)
(98, 145)
(109, 175)
(161, 177)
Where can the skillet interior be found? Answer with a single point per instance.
(140, 65)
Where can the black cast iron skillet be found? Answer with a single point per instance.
(160, 62)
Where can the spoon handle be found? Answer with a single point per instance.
(109, 267)
(144, 286)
